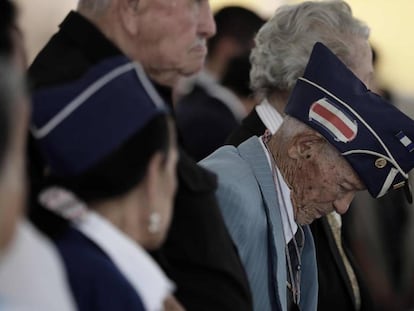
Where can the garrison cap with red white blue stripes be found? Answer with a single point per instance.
(79, 123)
(372, 135)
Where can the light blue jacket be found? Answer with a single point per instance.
(248, 201)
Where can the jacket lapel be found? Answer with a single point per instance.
(252, 151)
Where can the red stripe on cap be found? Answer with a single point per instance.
(334, 119)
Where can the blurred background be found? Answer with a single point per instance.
(391, 24)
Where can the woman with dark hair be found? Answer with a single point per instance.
(110, 185)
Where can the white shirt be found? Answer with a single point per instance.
(32, 274)
(272, 120)
(270, 117)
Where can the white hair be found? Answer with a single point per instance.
(284, 43)
(93, 7)
(292, 127)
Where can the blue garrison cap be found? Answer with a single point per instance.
(372, 135)
(79, 123)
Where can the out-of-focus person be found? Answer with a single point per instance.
(31, 274)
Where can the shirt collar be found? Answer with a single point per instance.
(143, 274)
(270, 117)
(283, 199)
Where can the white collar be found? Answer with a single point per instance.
(287, 215)
(32, 274)
(270, 117)
(144, 275)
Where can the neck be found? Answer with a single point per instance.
(125, 213)
(280, 157)
(164, 78)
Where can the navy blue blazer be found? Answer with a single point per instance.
(96, 283)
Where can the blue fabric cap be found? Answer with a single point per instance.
(79, 123)
(373, 136)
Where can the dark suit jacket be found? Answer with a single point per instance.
(204, 122)
(250, 126)
(198, 254)
(335, 291)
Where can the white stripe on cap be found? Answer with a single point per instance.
(392, 160)
(80, 99)
(388, 181)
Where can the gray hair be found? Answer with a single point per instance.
(284, 43)
(292, 127)
(93, 7)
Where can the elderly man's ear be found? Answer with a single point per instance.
(306, 145)
(129, 15)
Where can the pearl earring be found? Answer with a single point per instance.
(154, 222)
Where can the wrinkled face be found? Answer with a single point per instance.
(12, 176)
(323, 183)
(171, 36)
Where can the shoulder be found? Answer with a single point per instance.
(238, 188)
(229, 162)
(92, 275)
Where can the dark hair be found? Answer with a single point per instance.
(123, 169)
(7, 22)
(238, 23)
(237, 75)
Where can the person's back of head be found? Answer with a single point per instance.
(236, 27)
(237, 23)
(115, 151)
(285, 42)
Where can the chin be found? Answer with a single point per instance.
(304, 219)
(192, 70)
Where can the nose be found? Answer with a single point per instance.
(206, 23)
(341, 205)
